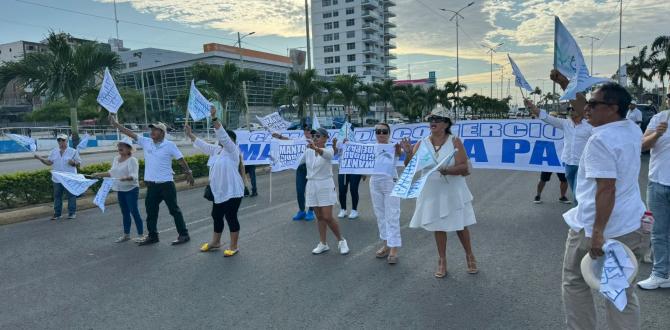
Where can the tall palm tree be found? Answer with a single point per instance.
(661, 60)
(304, 86)
(347, 88)
(385, 92)
(432, 95)
(452, 91)
(63, 72)
(637, 68)
(226, 83)
(412, 100)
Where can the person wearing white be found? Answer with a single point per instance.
(386, 207)
(62, 159)
(445, 203)
(634, 114)
(125, 170)
(610, 206)
(320, 192)
(657, 140)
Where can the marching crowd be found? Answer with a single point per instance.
(601, 154)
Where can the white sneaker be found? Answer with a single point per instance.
(353, 214)
(342, 214)
(344, 248)
(654, 282)
(123, 239)
(321, 248)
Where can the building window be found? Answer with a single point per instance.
(350, 11)
(336, 13)
(329, 71)
(327, 15)
(336, 25)
(351, 69)
(328, 60)
(351, 45)
(327, 37)
(351, 57)
(336, 48)
(351, 22)
(348, 1)
(337, 59)
(325, 3)
(334, 2)
(132, 64)
(327, 26)
(327, 49)
(351, 34)
(337, 70)
(336, 36)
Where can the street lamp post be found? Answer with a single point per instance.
(457, 15)
(144, 94)
(620, 24)
(244, 83)
(592, 40)
(492, 50)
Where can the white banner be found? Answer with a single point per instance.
(104, 190)
(287, 154)
(417, 186)
(76, 184)
(109, 96)
(24, 141)
(198, 106)
(274, 122)
(358, 158)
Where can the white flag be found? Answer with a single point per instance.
(347, 132)
(274, 122)
(84, 142)
(315, 122)
(198, 105)
(109, 96)
(75, 183)
(26, 142)
(405, 188)
(101, 196)
(580, 83)
(567, 55)
(519, 80)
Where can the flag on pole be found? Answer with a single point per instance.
(198, 105)
(567, 53)
(519, 79)
(76, 184)
(347, 132)
(109, 97)
(24, 141)
(581, 82)
(101, 195)
(84, 142)
(315, 122)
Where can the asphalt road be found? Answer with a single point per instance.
(71, 274)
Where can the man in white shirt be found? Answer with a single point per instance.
(634, 114)
(158, 177)
(657, 140)
(610, 206)
(62, 159)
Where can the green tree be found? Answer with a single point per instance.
(637, 69)
(385, 92)
(65, 71)
(347, 88)
(661, 60)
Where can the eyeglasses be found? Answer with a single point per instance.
(594, 103)
(382, 131)
(316, 136)
(438, 119)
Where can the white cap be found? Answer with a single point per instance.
(633, 102)
(62, 137)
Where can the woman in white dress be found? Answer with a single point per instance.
(445, 203)
(320, 192)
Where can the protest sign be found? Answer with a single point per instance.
(101, 196)
(287, 155)
(198, 106)
(404, 183)
(417, 186)
(24, 141)
(274, 122)
(109, 97)
(360, 158)
(76, 184)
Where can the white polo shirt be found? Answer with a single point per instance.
(574, 136)
(612, 152)
(660, 153)
(635, 115)
(60, 162)
(158, 159)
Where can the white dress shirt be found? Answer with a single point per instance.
(158, 159)
(224, 175)
(612, 152)
(574, 136)
(635, 115)
(60, 161)
(659, 164)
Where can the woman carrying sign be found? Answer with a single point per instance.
(344, 182)
(225, 184)
(386, 207)
(125, 169)
(445, 203)
(321, 190)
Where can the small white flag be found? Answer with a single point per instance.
(315, 122)
(109, 97)
(24, 141)
(520, 80)
(104, 190)
(198, 105)
(83, 144)
(75, 183)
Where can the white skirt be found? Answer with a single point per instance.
(320, 193)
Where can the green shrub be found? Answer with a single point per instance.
(35, 187)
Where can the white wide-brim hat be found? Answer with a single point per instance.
(592, 269)
(438, 111)
(127, 141)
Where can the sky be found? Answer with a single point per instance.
(426, 38)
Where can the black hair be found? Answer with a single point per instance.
(616, 94)
(448, 121)
(232, 135)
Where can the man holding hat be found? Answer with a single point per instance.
(158, 177)
(62, 159)
(634, 113)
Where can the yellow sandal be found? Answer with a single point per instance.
(230, 253)
(207, 248)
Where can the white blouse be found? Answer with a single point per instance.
(128, 167)
(224, 176)
(319, 166)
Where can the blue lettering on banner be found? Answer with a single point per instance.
(544, 151)
(475, 150)
(512, 147)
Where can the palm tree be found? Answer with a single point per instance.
(412, 100)
(63, 72)
(385, 92)
(347, 88)
(537, 92)
(452, 90)
(661, 66)
(637, 68)
(226, 83)
(432, 95)
(303, 87)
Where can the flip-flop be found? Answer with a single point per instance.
(207, 248)
(230, 253)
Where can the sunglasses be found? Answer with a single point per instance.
(382, 131)
(438, 120)
(593, 103)
(59, 140)
(316, 136)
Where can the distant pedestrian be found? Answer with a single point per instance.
(445, 203)
(349, 182)
(610, 206)
(320, 192)
(634, 114)
(125, 170)
(544, 178)
(62, 159)
(250, 170)
(657, 140)
(159, 179)
(386, 207)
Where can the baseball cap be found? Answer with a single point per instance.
(322, 131)
(159, 126)
(62, 137)
(127, 141)
(633, 102)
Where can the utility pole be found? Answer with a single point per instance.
(592, 40)
(492, 50)
(116, 20)
(457, 15)
(620, 24)
(144, 94)
(244, 83)
(309, 54)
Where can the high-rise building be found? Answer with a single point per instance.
(353, 37)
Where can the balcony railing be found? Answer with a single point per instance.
(370, 27)
(370, 15)
(369, 4)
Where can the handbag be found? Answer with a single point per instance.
(208, 194)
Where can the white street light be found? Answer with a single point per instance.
(457, 15)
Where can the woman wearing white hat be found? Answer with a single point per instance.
(125, 169)
(445, 203)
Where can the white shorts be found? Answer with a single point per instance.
(320, 193)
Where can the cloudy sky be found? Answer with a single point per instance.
(426, 39)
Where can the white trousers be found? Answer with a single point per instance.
(387, 209)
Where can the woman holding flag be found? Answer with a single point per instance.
(445, 203)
